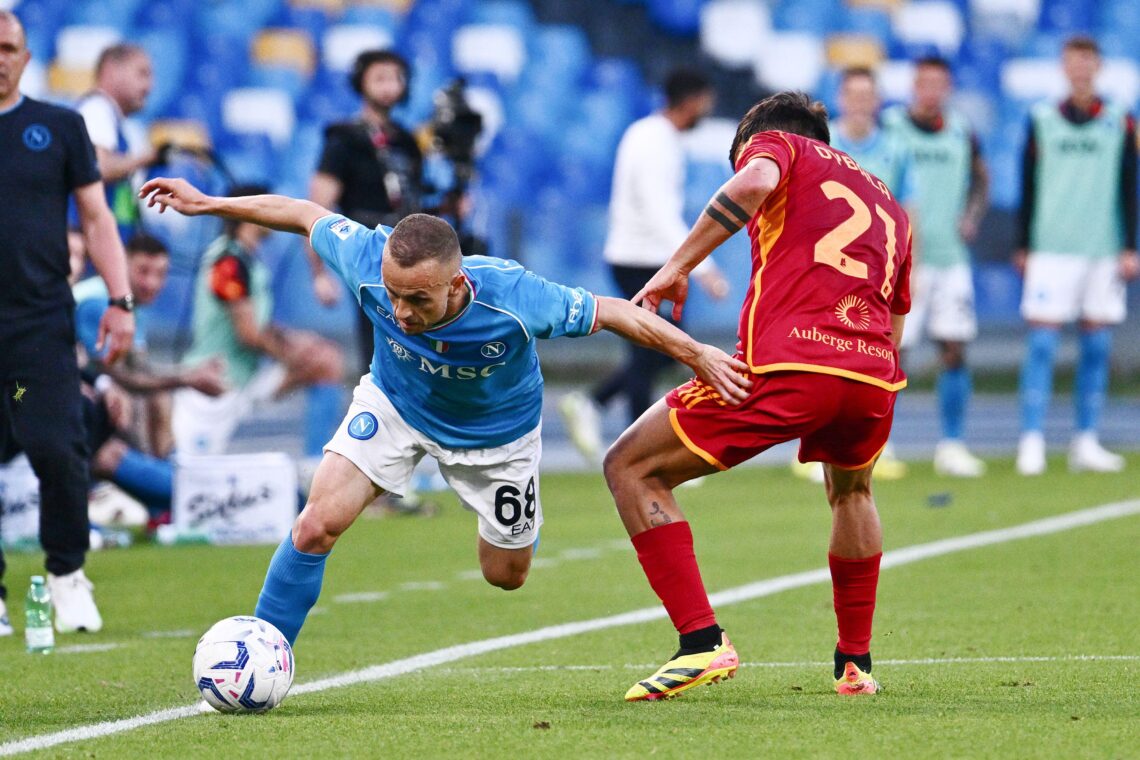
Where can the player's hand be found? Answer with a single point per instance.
(326, 288)
(177, 194)
(1129, 265)
(729, 376)
(714, 283)
(116, 331)
(1020, 259)
(208, 377)
(668, 284)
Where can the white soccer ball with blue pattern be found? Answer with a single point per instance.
(243, 664)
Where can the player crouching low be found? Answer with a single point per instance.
(819, 331)
(455, 375)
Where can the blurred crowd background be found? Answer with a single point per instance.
(249, 86)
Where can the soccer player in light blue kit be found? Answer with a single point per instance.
(454, 375)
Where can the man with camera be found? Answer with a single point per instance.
(371, 168)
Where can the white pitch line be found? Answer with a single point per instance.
(747, 592)
(808, 664)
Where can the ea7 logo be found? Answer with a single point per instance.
(494, 349)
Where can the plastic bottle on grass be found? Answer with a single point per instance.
(38, 633)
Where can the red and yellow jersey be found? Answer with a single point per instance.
(830, 264)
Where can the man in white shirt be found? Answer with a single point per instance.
(123, 80)
(646, 226)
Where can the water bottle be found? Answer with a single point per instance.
(38, 633)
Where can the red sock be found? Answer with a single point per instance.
(666, 556)
(854, 582)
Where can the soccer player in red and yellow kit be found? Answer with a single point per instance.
(819, 330)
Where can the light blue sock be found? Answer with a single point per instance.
(291, 588)
(1092, 377)
(1037, 377)
(954, 390)
(322, 416)
(147, 478)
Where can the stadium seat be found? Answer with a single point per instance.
(710, 141)
(34, 83)
(1119, 80)
(846, 50)
(790, 61)
(562, 49)
(259, 110)
(1032, 79)
(497, 48)
(808, 16)
(185, 133)
(78, 47)
(682, 17)
(284, 48)
(169, 54)
(328, 7)
(930, 23)
(731, 31)
(896, 81)
(514, 13)
(344, 42)
(69, 82)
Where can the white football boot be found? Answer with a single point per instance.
(74, 604)
(953, 459)
(1031, 453)
(1087, 455)
(583, 424)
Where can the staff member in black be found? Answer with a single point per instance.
(48, 156)
(371, 168)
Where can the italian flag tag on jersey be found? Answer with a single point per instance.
(439, 346)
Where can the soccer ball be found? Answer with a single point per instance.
(243, 664)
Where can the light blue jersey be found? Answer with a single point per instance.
(885, 156)
(473, 382)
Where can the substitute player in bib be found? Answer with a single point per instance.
(952, 190)
(819, 331)
(454, 375)
(1078, 247)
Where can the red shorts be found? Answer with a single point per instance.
(838, 421)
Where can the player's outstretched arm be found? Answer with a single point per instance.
(274, 211)
(728, 375)
(731, 208)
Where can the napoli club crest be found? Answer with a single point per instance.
(363, 426)
(494, 349)
(37, 137)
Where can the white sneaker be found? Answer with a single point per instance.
(75, 608)
(584, 425)
(5, 624)
(953, 459)
(1087, 455)
(109, 505)
(1031, 454)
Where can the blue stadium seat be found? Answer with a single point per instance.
(682, 17)
(514, 13)
(814, 16)
(169, 54)
(561, 49)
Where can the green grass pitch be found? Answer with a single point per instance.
(1022, 649)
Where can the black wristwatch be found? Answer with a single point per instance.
(126, 303)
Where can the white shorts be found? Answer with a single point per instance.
(498, 484)
(942, 306)
(1064, 287)
(204, 425)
